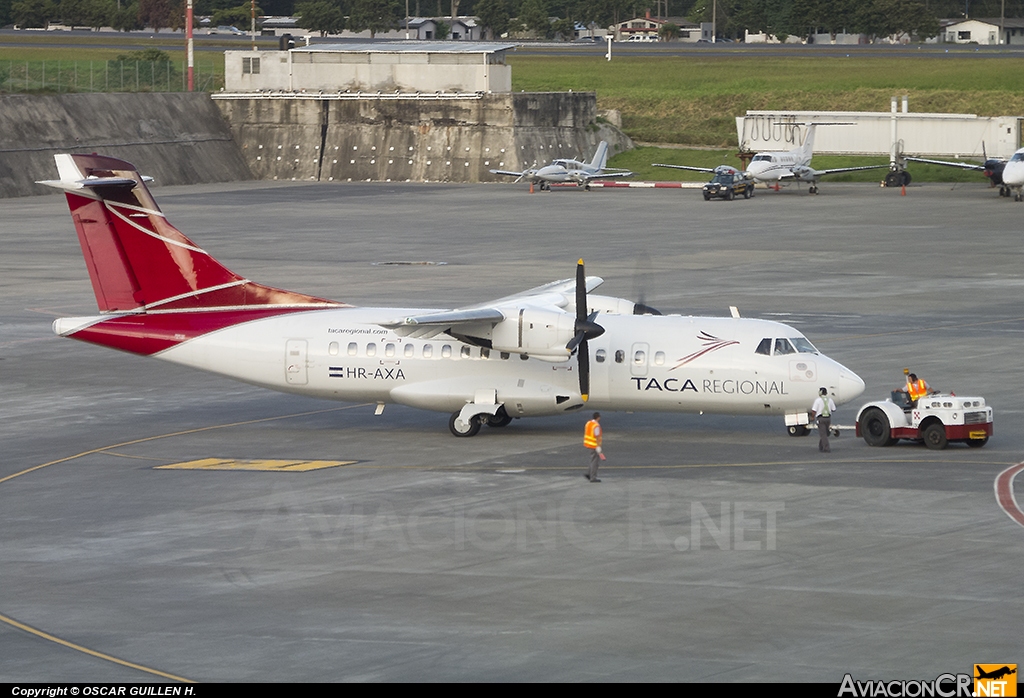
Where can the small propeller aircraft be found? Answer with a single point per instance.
(789, 165)
(565, 170)
(992, 168)
(545, 351)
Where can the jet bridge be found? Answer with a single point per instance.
(894, 133)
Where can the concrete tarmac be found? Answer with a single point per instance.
(717, 548)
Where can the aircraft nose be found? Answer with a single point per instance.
(850, 385)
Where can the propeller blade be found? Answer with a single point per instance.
(581, 293)
(584, 358)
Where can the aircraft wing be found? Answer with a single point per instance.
(837, 170)
(610, 175)
(683, 167)
(555, 295)
(962, 165)
(809, 174)
(509, 173)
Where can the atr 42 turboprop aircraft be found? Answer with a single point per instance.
(789, 165)
(566, 170)
(160, 295)
(994, 169)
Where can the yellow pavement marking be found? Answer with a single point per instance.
(86, 650)
(102, 449)
(291, 466)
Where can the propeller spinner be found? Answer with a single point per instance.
(585, 329)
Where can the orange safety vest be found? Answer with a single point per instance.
(592, 437)
(917, 389)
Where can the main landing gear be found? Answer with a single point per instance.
(460, 428)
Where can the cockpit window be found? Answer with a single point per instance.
(762, 158)
(1017, 157)
(782, 346)
(765, 347)
(803, 346)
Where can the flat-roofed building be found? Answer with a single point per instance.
(401, 66)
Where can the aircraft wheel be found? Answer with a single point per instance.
(977, 443)
(905, 178)
(813, 189)
(500, 419)
(798, 430)
(474, 426)
(874, 427)
(892, 179)
(934, 436)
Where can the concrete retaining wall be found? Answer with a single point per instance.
(327, 137)
(182, 138)
(176, 138)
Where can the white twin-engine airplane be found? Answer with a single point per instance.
(567, 170)
(792, 164)
(160, 295)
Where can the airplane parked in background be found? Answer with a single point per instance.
(566, 170)
(545, 351)
(992, 168)
(793, 164)
(1013, 176)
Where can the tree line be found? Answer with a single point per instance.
(543, 17)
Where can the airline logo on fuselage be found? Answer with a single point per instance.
(716, 386)
(711, 343)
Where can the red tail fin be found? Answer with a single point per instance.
(137, 260)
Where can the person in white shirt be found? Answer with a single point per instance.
(823, 408)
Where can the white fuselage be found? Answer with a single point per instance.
(653, 363)
(771, 167)
(1013, 172)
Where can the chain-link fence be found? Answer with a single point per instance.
(106, 76)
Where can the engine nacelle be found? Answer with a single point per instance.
(609, 305)
(535, 332)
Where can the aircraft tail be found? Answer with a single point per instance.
(137, 260)
(601, 156)
(807, 147)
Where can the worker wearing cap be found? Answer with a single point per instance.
(823, 408)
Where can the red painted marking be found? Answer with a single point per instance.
(1004, 493)
(149, 334)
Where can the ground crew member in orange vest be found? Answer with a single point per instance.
(592, 440)
(916, 388)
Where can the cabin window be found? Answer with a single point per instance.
(485, 353)
(410, 350)
(446, 351)
(389, 350)
(620, 356)
(639, 357)
(523, 357)
(505, 355)
(467, 352)
(428, 351)
(600, 356)
(333, 348)
(782, 346)
(371, 349)
(659, 358)
(353, 349)
(765, 347)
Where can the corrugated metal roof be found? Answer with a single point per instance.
(410, 47)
